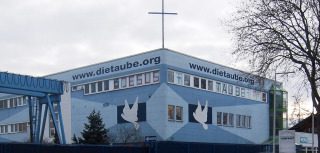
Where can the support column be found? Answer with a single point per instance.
(44, 122)
(30, 118)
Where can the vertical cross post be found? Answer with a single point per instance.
(162, 14)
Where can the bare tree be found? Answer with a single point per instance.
(281, 35)
(125, 134)
(299, 111)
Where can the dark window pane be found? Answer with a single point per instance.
(106, 85)
(99, 86)
(86, 89)
(116, 84)
(203, 84)
(196, 82)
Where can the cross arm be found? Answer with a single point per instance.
(163, 13)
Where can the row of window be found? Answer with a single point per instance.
(188, 80)
(227, 119)
(13, 102)
(123, 82)
(175, 113)
(14, 128)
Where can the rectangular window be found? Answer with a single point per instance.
(218, 87)
(186, 80)
(170, 112)
(147, 77)
(106, 85)
(52, 132)
(237, 91)
(156, 76)
(1, 104)
(131, 80)
(139, 79)
(21, 127)
(6, 103)
(15, 102)
(24, 127)
(2, 128)
(230, 119)
(230, 89)
(248, 121)
(243, 92)
(5, 128)
(243, 121)
(100, 86)
(17, 127)
(170, 76)
(219, 116)
(123, 82)
(248, 94)
(210, 85)
(203, 84)
(24, 101)
(179, 113)
(93, 88)
(225, 119)
(179, 78)
(11, 103)
(116, 83)
(19, 99)
(224, 88)
(264, 97)
(86, 89)
(238, 120)
(12, 128)
(196, 82)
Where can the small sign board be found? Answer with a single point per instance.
(287, 141)
(150, 138)
(305, 139)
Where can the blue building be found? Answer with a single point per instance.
(162, 93)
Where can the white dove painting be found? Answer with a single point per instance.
(131, 114)
(201, 115)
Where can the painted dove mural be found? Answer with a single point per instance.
(201, 115)
(131, 114)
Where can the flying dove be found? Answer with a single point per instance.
(131, 114)
(201, 115)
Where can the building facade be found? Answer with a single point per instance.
(162, 93)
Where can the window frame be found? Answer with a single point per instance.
(219, 118)
(177, 113)
(170, 76)
(171, 114)
(139, 79)
(132, 80)
(203, 83)
(147, 77)
(156, 76)
(187, 82)
(123, 82)
(196, 84)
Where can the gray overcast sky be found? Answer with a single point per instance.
(39, 37)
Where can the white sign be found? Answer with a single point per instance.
(287, 141)
(305, 139)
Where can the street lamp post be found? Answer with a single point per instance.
(274, 110)
(312, 126)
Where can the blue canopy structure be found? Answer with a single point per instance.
(41, 92)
